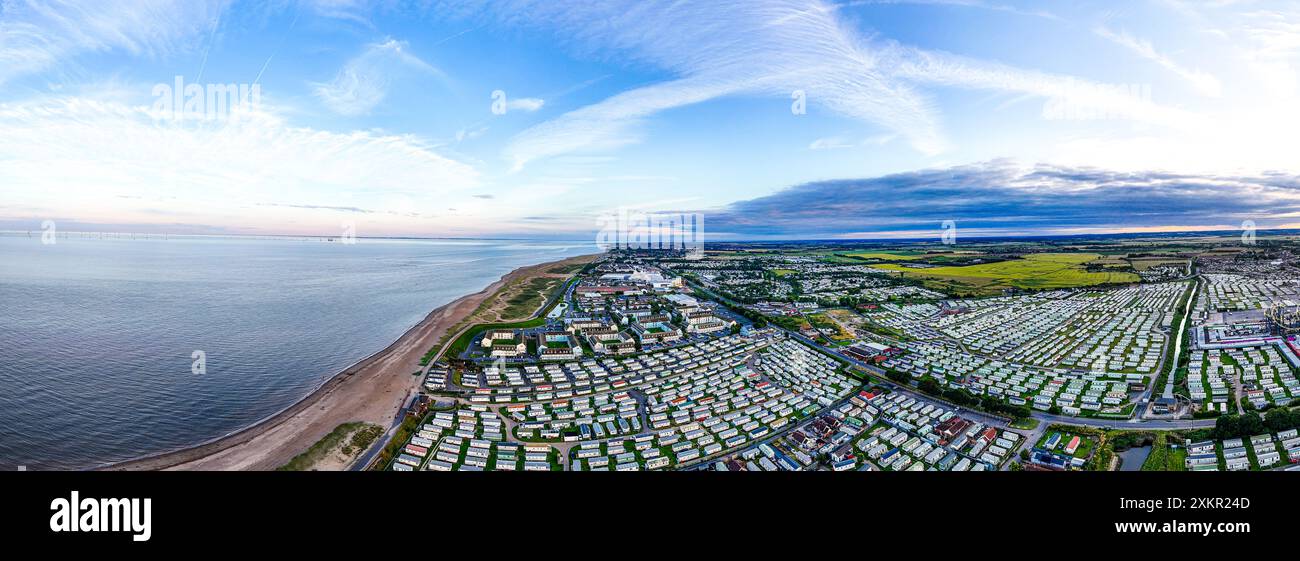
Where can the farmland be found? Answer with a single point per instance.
(1034, 271)
(887, 255)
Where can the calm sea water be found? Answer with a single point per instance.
(96, 336)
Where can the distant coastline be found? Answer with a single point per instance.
(96, 234)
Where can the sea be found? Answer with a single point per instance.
(101, 336)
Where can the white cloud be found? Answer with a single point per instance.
(350, 10)
(1204, 82)
(773, 48)
(938, 68)
(957, 3)
(102, 161)
(720, 49)
(830, 143)
(38, 36)
(364, 81)
(525, 104)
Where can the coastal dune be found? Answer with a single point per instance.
(373, 390)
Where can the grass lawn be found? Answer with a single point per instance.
(821, 321)
(1086, 443)
(1028, 423)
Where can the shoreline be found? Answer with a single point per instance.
(368, 388)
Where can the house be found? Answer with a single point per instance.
(612, 343)
(504, 343)
(656, 329)
(704, 321)
(951, 428)
(1072, 446)
(493, 335)
(590, 291)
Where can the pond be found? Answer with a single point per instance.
(1133, 458)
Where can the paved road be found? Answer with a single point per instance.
(1134, 424)
(363, 461)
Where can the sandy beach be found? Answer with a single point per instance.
(372, 390)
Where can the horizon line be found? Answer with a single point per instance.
(929, 239)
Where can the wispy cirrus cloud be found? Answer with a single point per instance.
(718, 49)
(772, 48)
(842, 142)
(528, 104)
(1008, 198)
(363, 82)
(38, 36)
(980, 4)
(1204, 82)
(831, 143)
(356, 11)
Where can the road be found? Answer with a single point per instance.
(1130, 424)
(1166, 424)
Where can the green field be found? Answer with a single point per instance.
(820, 321)
(1034, 271)
(1165, 458)
(887, 255)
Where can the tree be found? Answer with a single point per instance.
(899, 376)
(1250, 424)
(960, 397)
(1225, 427)
(930, 386)
(1279, 419)
(1024, 454)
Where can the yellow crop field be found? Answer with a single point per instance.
(1034, 271)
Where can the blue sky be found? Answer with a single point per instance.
(1007, 117)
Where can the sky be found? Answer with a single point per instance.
(771, 119)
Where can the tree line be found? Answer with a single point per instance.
(1252, 423)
